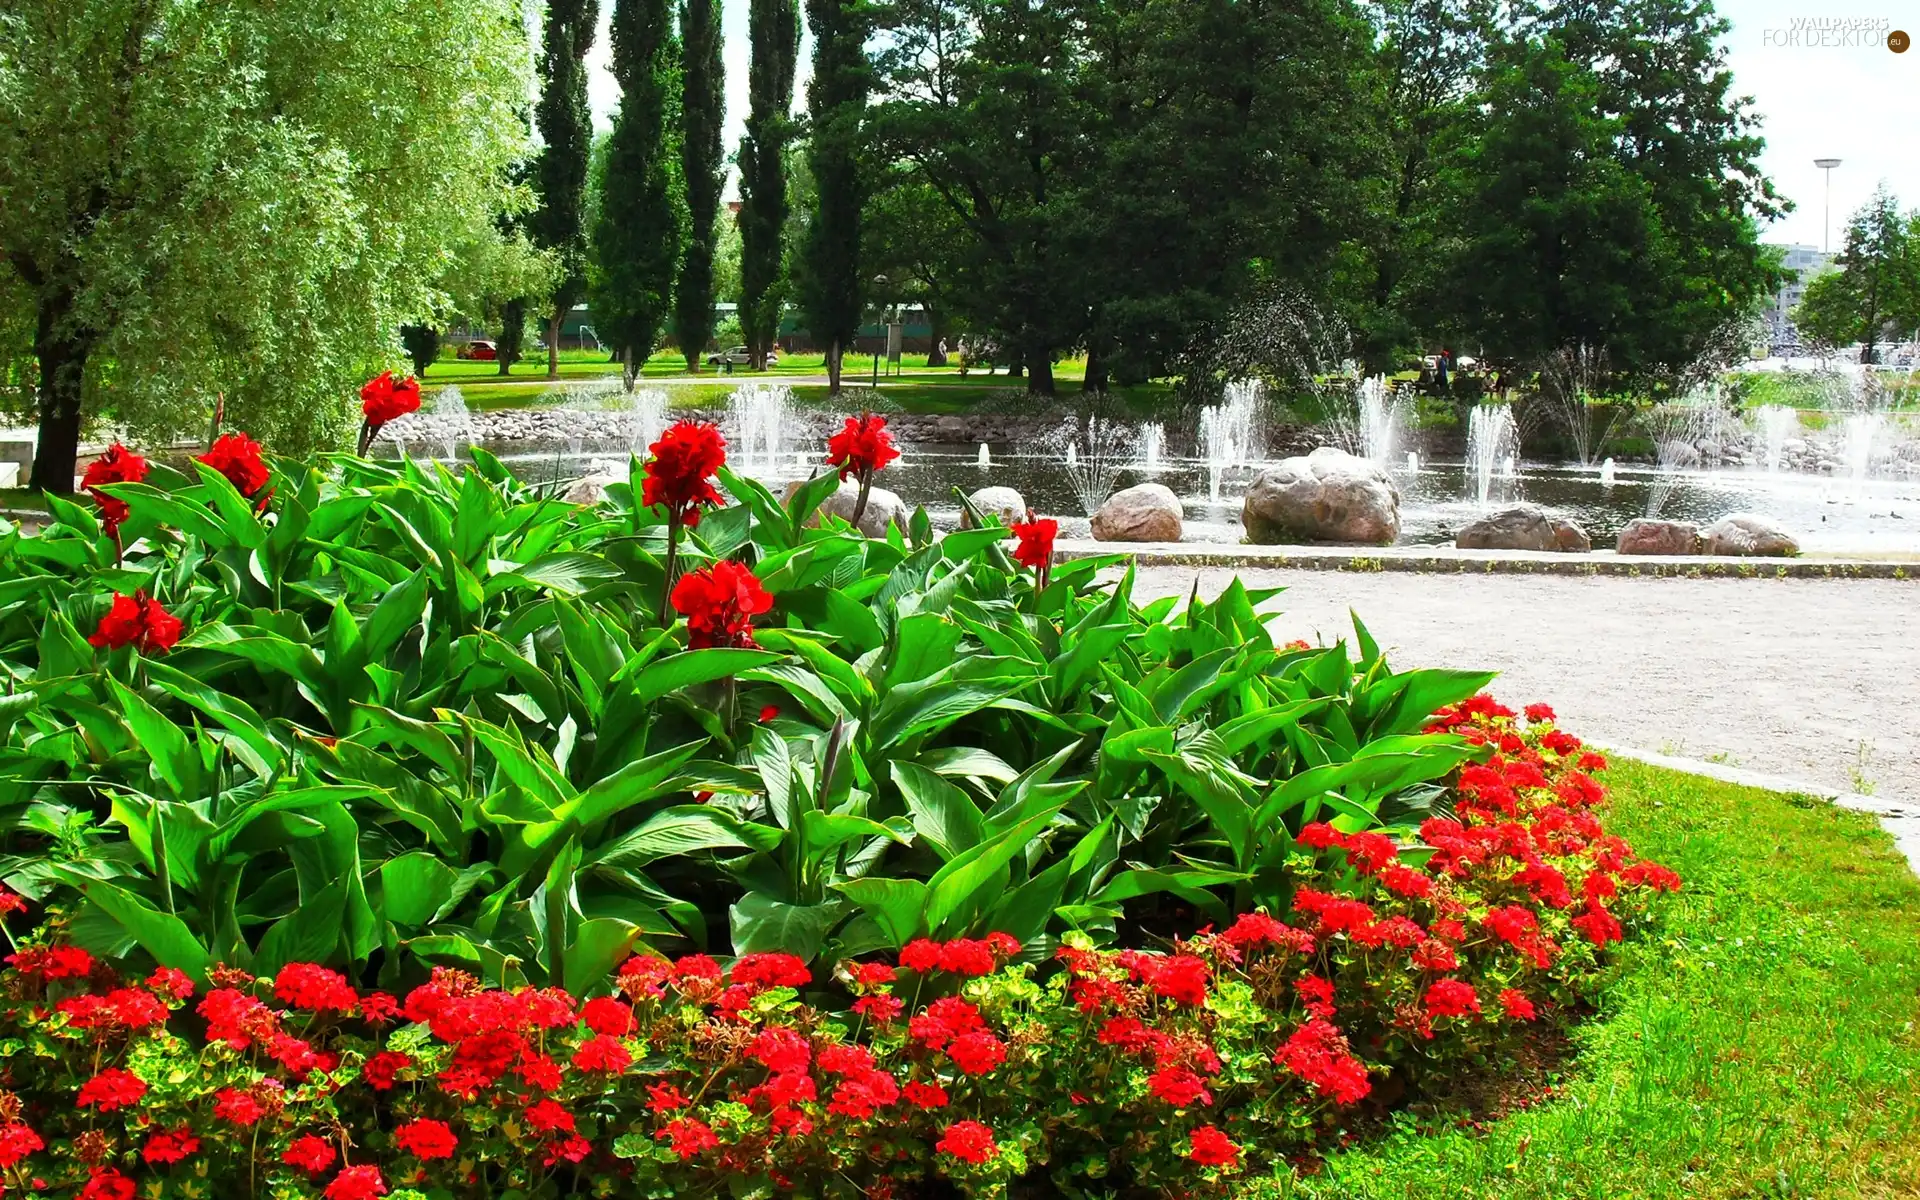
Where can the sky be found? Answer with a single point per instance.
(1819, 96)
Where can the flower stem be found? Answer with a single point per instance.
(666, 583)
(860, 505)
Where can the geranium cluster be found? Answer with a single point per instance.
(969, 1060)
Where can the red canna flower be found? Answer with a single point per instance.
(1036, 542)
(111, 1089)
(769, 712)
(384, 398)
(968, 1141)
(684, 458)
(117, 465)
(862, 447)
(237, 456)
(357, 1183)
(720, 603)
(309, 1153)
(1211, 1148)
(426, 1138)
(137, 620)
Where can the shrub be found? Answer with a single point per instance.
(385, 718)
(1119, 1069)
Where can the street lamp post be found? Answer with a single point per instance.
(1826, 216)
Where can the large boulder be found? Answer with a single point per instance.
(1523, 527)
(883, 507)
(1003, 503)
(1326, 496)
(589, 489)
(1745, 533)
(1145, 512)
(1659, 537)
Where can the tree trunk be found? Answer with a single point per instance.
(1017, 368)
(1096, 380)
(936, 357)
(553, 345)
(1040, 376)
(63, 368)
(833, 368)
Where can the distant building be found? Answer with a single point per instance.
(1805, 262)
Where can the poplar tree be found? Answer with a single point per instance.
(702, 110)
(560, 175)
(774, 32)
(831, 291)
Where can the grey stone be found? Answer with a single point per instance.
(1003, 503)
(1523, 527)
(883, 507)
(1659, 537)
(1748, 534)
(589, 489)
(1326, 496)
(1145, 512)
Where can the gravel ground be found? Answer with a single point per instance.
(1816, 680)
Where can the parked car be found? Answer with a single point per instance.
(479, 350)
(739, 357)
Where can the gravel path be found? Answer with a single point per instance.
(1816, 680)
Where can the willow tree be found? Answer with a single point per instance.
(637, 235)
(773, 27)
(237, 200)
(702, 166)
(831, 291)
(560, 175)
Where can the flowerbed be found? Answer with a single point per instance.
(471, 842)
(1167, 1071)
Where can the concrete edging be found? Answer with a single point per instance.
(1426, 560)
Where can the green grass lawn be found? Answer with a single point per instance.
(1762, 1045)
(915, 388)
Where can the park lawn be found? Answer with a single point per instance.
(1760, 1044)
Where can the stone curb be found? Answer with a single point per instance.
(1901, 821)
(1433, 561)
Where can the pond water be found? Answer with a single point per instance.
(1827, 514)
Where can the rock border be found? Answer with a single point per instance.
(1432, 561)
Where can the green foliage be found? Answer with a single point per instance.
(702, 111)
(639, 224)
(243, 201)
(436, 717)
(1876, 286)
(773, 26)
(566, 134)
(422, 343)
(832, 292)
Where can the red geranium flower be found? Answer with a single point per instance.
(105, 1183)
(977, 1053)
(426, 1138)
(862, 447)
(602, 1053)
(1516, 1005)
(231, 1104)
(880, 1006)
(137, 620)
(968, 1141)
(925, 1095)
(1211, 1148)
(309, 1153)
(547, 1116)
(720, 603)
(383, 398)
(357, 1183)
(16, 1142)
(111, 1089)
(684, 458)
(237, 456)
(1452, 998)
(117, 465)
(1179, 1087)
(1036, 542)
(170, 1146)
(688, 1137)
